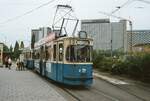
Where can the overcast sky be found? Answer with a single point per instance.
(20, 29)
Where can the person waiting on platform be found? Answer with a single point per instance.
(18, 64)
(21, 62)
(9, 62)
(6, 61)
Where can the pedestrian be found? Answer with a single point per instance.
(6, 61)
(18, 64)
(9, 62)
(21, 58)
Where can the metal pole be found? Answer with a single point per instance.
(73, 33)
(130, 23)
(111, 40)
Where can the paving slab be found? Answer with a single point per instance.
(25, 86)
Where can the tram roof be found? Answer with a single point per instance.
(77, 38)
(61, 39)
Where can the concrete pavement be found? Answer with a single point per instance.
(25, 86)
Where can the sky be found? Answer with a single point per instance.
(20, 28)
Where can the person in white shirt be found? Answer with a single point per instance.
(9, 62)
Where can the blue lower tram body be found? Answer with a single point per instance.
(29, 63)
(71, 74)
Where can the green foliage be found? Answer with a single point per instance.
(106, 64)
(146, 67)
(134, 65)
(100, 61)
(32, 41)
(6, 49)
(21, 45)
(11, 49)
(119, 68)
(97, 58)
(16, 50)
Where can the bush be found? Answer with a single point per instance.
(101, 62)
(146, 67)
(106, 64)
(97, 59)
(135, 65)
(119, 68)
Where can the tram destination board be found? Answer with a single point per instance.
(82, 42)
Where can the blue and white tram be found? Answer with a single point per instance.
(28, 60)
(67, 60)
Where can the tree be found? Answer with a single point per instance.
(32, 41)
(6, 49)
(11, 49)
(16, 50)
(21, 45)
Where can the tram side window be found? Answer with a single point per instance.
(28, 55)
(37, 55)
(61, 52)
(54, 53)
(42, 53)
(70, 54)
(48, 53)
(34, 56)
(0, 56)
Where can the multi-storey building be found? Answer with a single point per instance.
(139, 39)
(107, 35)
(40, 33)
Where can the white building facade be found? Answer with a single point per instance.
(107, 35)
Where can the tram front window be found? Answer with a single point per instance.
(79, 53)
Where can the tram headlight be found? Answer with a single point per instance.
(83, 70)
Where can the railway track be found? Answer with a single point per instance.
(93, 93)
(81, 93)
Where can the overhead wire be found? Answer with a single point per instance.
(128, 2)
(124, 4)
(109, 14)
(144, 1)
(26, 13)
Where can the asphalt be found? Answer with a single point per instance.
(135, 88)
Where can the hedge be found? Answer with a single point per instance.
(136, 65)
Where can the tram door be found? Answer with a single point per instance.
(60, 62)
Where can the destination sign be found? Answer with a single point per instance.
(82, 42)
